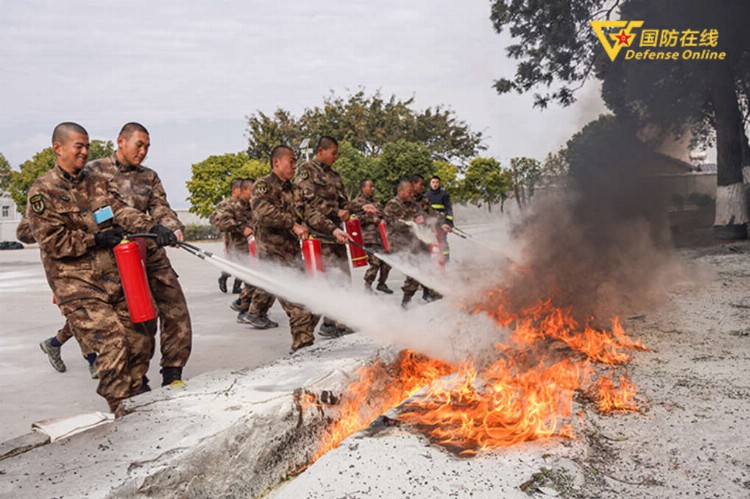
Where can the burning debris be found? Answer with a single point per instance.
(526, 393)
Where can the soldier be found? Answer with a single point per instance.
(279, 224)
(72, 213)
(51, 346)
(322, 189)
(235, 219)
(371, 235)
(235, 187)
(440, 201)
(399, 210)
(433, 217)
(141, 188)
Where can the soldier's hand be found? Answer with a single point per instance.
(370, 208)
(247, 232)
(343, 215)
(164, 236)
(341, 236)
(300, 231)
(109, 238)
(179, 235)
(447, 228)
(419, 219)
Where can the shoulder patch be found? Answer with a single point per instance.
(261, 188)
(37, 204)
(304, 173)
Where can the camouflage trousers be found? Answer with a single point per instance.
(376, 266)
(410, 287)
(176, 332)
(301, 321)
(123, 352)
(65, 333)
(334, 257)
(246, 297)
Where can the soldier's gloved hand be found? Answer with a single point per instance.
(164, 236)
(109, 238)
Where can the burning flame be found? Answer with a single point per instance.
(526, 394)
(611, 398)
(380, 386)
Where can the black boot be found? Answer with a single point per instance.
(383, 288)
(171, 375)
(405, 301)
(223, 283)
(237, 288)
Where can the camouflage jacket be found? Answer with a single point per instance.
(400, 235)
(276, 208)
(322, 190)
(140, 188)
(232, 217)
(23, 231)
(430, 213)
(61, 215)
(370, 232)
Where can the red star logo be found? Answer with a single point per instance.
(623, 38)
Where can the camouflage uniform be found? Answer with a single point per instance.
(277, 208)
(24, 234)
(232, 217)
(400, 236)
(371, 237)
(322, 190)
(84, 277)
(141, 188)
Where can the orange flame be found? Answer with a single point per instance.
(379, 388)
(526, 394)
(611, 398)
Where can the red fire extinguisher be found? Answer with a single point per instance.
(436, 252)
(313, 256)
(134, 283)
(141, 242)
(359, 257)
(384, 236)
(251, 247)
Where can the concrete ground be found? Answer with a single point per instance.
(30, 389)
(689, 438)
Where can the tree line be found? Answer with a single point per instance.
(383, 139)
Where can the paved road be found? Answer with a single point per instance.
(31, 390)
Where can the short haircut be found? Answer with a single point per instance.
(363, 182)
(128, 128)
(61, 131)
(247, 182)
(236, 183)
(403, 182)
(326, 142)
(280, 151)
(435, 177)
(416, 178)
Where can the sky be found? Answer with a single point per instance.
(192, 71)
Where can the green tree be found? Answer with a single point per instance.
(210, 180)
(527, 173)
(368, 123)
(42, 162)
(557, 50)
(485, 182)
(398, 160)
(5, 173)
(268, 131)
(555, 164)
(353, 167)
